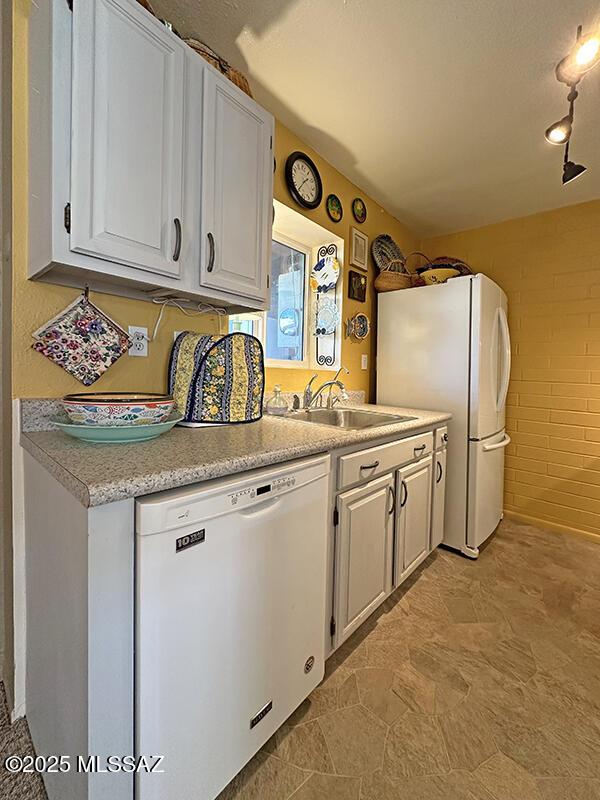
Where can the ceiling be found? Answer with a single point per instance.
(436, 109)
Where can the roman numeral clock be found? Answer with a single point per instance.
(303, 180)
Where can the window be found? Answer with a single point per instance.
(285, 332)
(283, 328)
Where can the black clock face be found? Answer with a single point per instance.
(303, 180)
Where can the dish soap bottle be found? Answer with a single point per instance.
(276, 404)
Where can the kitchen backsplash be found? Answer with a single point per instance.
(37, 412)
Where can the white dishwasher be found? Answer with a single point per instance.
(230, 619)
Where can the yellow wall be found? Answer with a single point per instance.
(378, 221)
(549, 266)
(34, 303)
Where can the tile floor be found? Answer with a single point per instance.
(15, 740)
(478, 680)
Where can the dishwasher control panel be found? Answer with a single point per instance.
(244, 496)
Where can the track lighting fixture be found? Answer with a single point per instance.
(584, 56)
(560, 132)
(570, 169)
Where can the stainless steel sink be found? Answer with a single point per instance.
(352, 419)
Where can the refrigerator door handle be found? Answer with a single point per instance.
(498, 446)
(506, 360)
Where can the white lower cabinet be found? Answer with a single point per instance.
(412, 541)
(438, 500)
(364, 544)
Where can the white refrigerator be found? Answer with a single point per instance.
(447, 348)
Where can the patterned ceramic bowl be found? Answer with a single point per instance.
(117, 408)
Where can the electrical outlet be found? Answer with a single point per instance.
(139, 341)
(364, 361)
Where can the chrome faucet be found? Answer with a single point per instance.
(328, 385)
(311, 397)
(308, 392)
(343, 395)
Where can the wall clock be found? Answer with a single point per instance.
(303, 180)
(333, 204)
(359, 209)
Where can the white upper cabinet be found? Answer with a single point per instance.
(237, 191)
(139, 149)
(127, 136)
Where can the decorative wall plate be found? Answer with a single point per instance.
(359, 209)
(333, 205)
(327, 316)
(358, 326)
(324, 275)
(387, 255)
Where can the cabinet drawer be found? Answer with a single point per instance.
(374, 461)
(441, 437)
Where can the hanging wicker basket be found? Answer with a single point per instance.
(208, 54)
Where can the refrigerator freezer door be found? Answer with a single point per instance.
(486, 484)
(490, 364)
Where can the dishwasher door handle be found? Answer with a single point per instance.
(260, 508)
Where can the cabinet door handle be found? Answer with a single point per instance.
(177, 249)
(393, 495)
(211, 258)
(440, 472)
(420, 449)
(374, 465)
(404, 495)
(445, 437)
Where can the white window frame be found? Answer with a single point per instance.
(310, 252)
(284, 363)
(260, 317)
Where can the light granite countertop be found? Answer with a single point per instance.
(104, 473)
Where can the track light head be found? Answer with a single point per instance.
(560, 132)
(584, 56)
(571, 171)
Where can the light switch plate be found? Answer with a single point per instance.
(139, 341)
(364, 361)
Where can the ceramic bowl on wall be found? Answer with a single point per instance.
(117, 408)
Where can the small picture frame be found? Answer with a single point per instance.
(357, 286)
(359, 249)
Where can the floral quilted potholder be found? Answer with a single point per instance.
(82, 340)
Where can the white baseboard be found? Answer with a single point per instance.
(19, 596)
